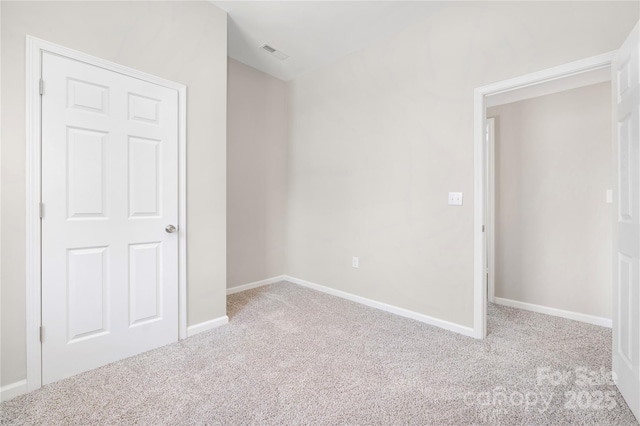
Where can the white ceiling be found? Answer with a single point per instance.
(313, 33)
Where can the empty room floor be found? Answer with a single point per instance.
(291, 355)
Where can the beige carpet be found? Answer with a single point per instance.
(291, 355)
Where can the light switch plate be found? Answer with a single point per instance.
(609, 196)
(455, 198)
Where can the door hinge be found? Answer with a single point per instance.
(41, 209)
(41, 87)
(41, 334)
(482, 226)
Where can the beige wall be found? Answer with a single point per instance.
(180, 41)
(553, 226)
(256, 175)
(378, 138)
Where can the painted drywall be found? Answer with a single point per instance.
(256, 174)
(378, 139)
(180, 41)
(553, 225)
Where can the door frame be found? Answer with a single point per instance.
(34, 51)
(480, 166)
(490, 208)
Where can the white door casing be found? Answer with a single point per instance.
(626, 263)
(112, 177)
(490, 223)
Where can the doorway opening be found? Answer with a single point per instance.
(576, 74)
(550, 169)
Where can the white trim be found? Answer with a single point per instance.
(182, 211)
(192, 330)
(34, 49)
(12, 390)
(588, 78)
(33, 181)
(479, 252)
(480, 93)
(576, 316)
(255, 284)
(550, 74)
(490, 229)
(456, 328)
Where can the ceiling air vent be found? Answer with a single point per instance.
(274, 52)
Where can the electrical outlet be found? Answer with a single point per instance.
(355, 262)
(455, 198)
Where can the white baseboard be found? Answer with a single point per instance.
(457, 328)
(255, 284)
(12, 390)
(192, 330)
(576, 316)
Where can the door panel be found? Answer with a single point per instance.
(144, 177)
(109, 188)
(87, 287)
(145, 298)
(626, 306)
(86, 156)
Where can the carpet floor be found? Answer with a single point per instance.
(291, 355)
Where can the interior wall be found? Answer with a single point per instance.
(553, 225)
(185, 42)
(379, 137)
(256, 175)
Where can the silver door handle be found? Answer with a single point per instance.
(170, 229)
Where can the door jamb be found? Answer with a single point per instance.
(480, 116)
(34, 49)
(490, 197)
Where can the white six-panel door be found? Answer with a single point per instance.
(109, 190)
(626, 302)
